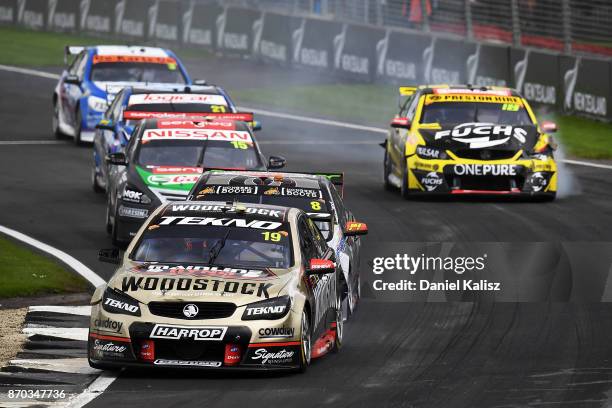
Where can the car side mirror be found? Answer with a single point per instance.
(72, 80)
(106, 124)
(117, 159)
(548, 127)
(256, 125)
(276, 162)
(400, 123)
(200, 82)
(354, 228)
(320, 267)
(109, 256)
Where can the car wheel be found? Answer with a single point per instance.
(353, 296)
(387, 172)
(55, 121)
(339, 325)
(405, 190)
(77, 128)
(94, 180)
(305, 343)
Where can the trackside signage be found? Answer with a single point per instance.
(199, 23)
(236, 30)
(536, 76)
(63, 15)
(354, 51)
(446, 65)
(402, 57)
(97, 16)
(8, 11)
(32, 14)
(274, 44)
(586, 86)
(313, 43)
(165, 25)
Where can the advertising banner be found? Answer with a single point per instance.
(448, 62)
(63, 15)
(8, 12)
(97, 16)
(131, 18)
(313, 43)
(355, 51)
(536, 76)
(32, 14)
(165, 21)
(586, 86)
(199, 24)
(274, 44)
(238, 29)
(401, 57)
(489, 66)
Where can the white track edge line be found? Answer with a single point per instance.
(289, 116)
(69, 260)
(105, 379)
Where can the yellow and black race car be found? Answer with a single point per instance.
(469, 140)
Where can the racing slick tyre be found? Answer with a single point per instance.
(405, 191)
(55, 121)
(77, 129)
(109, 225)
(387, 172)
(339, 325)
(354, 295)
(94, 182)
(305, 343)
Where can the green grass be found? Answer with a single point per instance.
(376, 104)
(46, 49)
(25, 273)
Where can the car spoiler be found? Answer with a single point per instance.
(237, 116)
(336, 178)
(72, 50)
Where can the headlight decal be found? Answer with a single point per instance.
(120, 303)
(270, 309)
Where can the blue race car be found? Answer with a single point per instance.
(97, 73)
(132, 104)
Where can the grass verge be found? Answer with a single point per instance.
(26, 273)
(23, 47)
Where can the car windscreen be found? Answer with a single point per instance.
(200, 153)
(183, 108)
(136, 72)
(311, 201)
(483, 112)
(217, 245)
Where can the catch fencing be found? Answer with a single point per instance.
(363, 44)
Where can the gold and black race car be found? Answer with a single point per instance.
(218, 285)
(469, 140)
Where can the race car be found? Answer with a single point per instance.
(457, 140)
(165, 158)
(316, 194)
(131, 105)
(97, 73)
(220, 286)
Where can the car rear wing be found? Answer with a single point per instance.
(405, 92)
(336, 178)
(72, 50)
(237, 116)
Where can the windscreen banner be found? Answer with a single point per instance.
(401, 57)
(536, 76)
(355, 51)
(586, 86)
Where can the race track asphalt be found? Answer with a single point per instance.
(398, 354)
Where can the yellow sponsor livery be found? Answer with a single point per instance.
(469, 140)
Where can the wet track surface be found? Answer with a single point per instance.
(397, 354)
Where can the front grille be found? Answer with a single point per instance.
(189, 350)
(485, 154)
(206, 310)
(496, 183)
